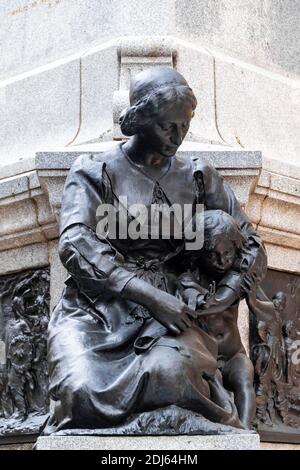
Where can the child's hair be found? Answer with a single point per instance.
(279, 300)
(218, 223)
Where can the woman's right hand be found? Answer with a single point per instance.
(171, 312)
(167, 309)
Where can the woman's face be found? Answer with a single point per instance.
(170, 127)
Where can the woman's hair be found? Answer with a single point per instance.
(141, 114)
(218, 223)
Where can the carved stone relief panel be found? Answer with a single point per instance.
(24, 314)
(275, 353)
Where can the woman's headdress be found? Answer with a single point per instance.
(149, 90)
(153, 79)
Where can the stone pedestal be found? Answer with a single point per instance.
(187, 443)
(30, 199)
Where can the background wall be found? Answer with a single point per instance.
(35, 32)
(263, 32)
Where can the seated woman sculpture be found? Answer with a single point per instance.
(120, 342)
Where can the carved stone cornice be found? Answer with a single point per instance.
(274, 209)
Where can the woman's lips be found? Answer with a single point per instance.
(170, 148)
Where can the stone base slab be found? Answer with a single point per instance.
(213, 442)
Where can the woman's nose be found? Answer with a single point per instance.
(176, 136)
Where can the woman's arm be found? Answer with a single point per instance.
(92, 263)
(94, 267)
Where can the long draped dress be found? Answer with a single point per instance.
(108, 358)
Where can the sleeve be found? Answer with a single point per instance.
(84, 191)
(219, 195)
(94, 264)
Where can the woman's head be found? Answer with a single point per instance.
(161, 108)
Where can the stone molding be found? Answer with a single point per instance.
(274, 210)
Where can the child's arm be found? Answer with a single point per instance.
(227, 293)
(219, 302)
(263, 310)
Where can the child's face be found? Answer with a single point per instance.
(279, 302)
(222, 257)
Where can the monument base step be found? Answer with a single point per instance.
(243, 441)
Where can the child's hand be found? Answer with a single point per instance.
(211, 290)
(203, 298)
(191, 292)
(193, 298)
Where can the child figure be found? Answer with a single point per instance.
(291, 335)
(215, 274)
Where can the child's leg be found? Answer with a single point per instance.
(238, 377)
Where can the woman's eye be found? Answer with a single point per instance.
(165, 127)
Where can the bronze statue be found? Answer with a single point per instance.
(121, 342)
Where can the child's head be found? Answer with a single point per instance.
(279, 300)
(223, 240)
